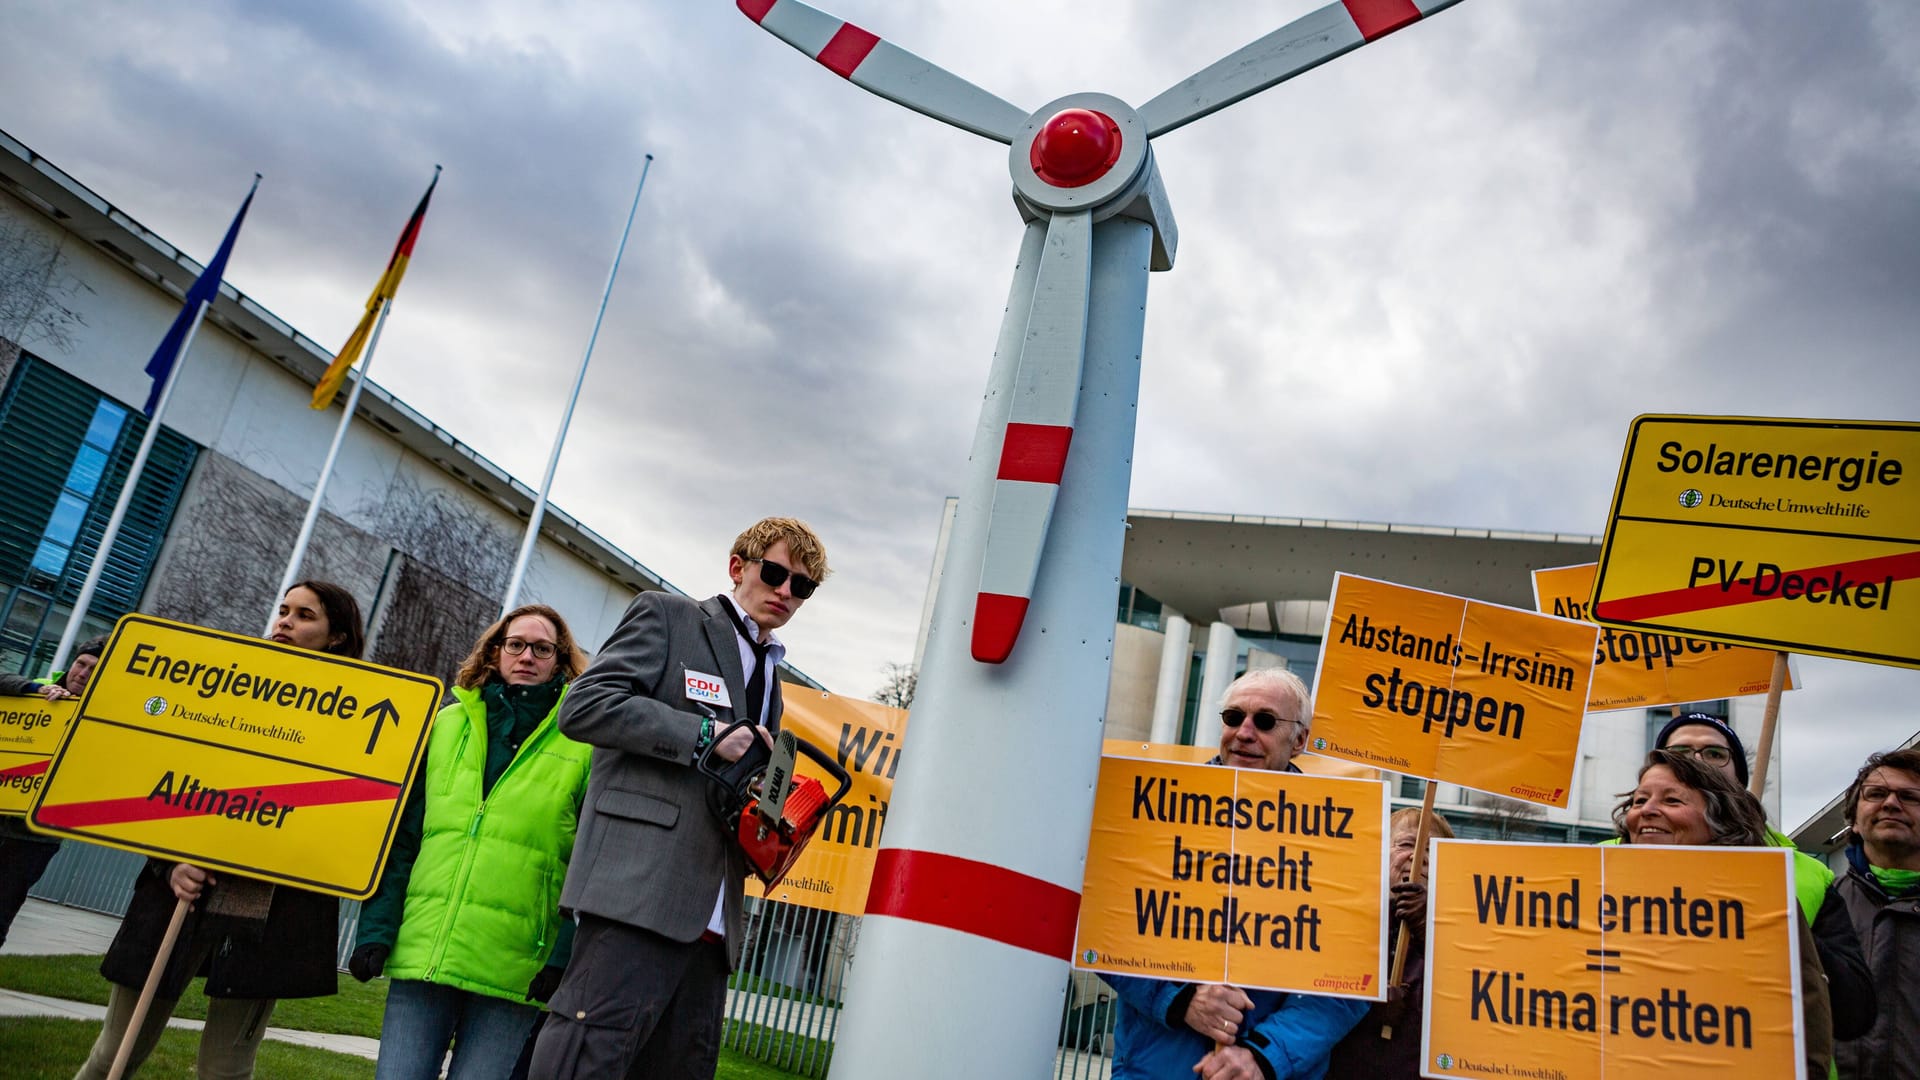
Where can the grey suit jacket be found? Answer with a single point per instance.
(649, 851)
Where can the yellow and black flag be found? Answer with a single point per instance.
(349, 354)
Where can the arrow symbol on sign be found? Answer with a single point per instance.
(380, 712)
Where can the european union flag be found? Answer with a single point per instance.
(204, 290)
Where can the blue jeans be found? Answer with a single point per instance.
(423, 1017)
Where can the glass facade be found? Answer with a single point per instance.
(68, 450)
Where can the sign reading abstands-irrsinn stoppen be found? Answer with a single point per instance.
(1455, 690)
(1796, 535)
(240, 754)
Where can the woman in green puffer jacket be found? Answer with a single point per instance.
(466, 920)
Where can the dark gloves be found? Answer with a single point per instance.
(544, 984)
(368, 961)
(1408, 900)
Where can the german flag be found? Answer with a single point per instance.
(389, 283)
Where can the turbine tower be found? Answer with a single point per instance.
(970, 919)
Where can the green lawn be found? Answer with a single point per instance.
(26, 1050)
(34, 1048)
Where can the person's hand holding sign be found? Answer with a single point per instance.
(1228, 1063)
(1217, 1010)
(189, 882)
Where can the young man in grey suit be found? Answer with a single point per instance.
(655, 878)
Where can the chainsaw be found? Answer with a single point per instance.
(771, 812)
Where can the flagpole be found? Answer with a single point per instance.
(566, 419)
(81, 602)
(326, 468)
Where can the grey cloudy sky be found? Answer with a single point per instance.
(1431, 282)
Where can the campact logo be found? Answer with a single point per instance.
(155, 705)
(1445, 1061)
(1691, 498)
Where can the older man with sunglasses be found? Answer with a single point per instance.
(655, 880)
(1168, 1030)
(1881, 890)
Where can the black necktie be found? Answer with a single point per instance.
(757, 679)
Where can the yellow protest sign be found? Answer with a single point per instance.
(1214, 874)
(240, 754)
(1603, 963)
(1795, 535)
(837, 866)
(1456, 690)
(30, 731)
(1639, 669)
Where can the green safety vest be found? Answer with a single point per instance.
(483, 903)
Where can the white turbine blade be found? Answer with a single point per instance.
(1299, 46)
(887, 70)
(1033, 451)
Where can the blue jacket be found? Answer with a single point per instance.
(1290, 1034)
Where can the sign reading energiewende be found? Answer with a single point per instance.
(1794, 535)
(240, 754)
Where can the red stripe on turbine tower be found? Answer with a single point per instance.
(756, 9)
(975, 898)
(847, 50)
(1034, 452)
(1378, 18)
(996, 625)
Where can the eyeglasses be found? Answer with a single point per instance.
(1907, 796)
(542, 650)
(1713, 755)
(1262, 720)
(774, 575)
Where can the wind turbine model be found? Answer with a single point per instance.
(976, 886)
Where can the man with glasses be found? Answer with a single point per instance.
(1168, 1030)
(655, 881)
(1881, 889)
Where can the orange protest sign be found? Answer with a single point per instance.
(1456, 690)
(834, 871)
(1603, 963)
(1214, 874)
(1641, 669)
(30, 731)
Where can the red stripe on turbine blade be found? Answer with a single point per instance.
(145, 808)
(1034, 452)
(21, 772)
(756, 9)
(996, 625)
(975, 898)
(849, 47)
(1378, 18)
(1712, 595)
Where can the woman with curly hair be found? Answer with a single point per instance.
(466, 919)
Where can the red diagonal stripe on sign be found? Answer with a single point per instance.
(34, 768)
(83, 815)
(1706, 597)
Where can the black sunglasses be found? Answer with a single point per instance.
(1263, 720)
(774, 575)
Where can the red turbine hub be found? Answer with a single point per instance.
(1075, 147)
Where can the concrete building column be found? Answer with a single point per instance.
(1223, 648)
(1170, 691)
